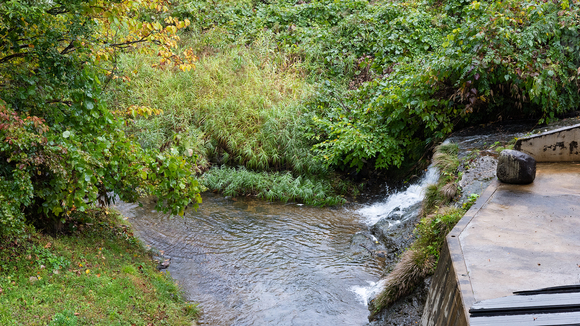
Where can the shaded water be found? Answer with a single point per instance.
(250, 262)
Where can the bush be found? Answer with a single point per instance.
(61, 150)
(498, 60)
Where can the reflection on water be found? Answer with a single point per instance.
(250, 262)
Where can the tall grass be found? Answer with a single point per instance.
(271, 186)
(241, 105)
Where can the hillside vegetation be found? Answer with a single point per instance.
(281, 99)
(308, 86)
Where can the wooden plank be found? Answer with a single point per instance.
(528, 302)
(559, 319)
(553, 289)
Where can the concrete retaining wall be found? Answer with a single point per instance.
(444, 305)
(451, 295)
(560, 145)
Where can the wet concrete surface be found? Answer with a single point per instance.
(526, 236)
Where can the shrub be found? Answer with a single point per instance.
(61, 150)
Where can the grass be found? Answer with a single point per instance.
(439, 215)
(96, 275)
(271, 186)
(241, 105)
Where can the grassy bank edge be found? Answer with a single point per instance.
(91, 272)
(439, 215)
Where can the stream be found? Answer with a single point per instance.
(251, 262)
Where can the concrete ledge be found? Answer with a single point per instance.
(559, 145)
(515, 237)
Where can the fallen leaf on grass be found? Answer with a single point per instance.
(48, 245)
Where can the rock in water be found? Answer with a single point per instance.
(516, 167)
(164, 264)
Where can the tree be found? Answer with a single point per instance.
(61, 150)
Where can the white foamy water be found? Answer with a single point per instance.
(401, 199)
(366, 293)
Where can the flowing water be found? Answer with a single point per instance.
(250, 262)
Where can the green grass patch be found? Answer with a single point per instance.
(240, 106)
(282, 186)
(98, 276)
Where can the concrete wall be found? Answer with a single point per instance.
(451, 294)
(444, 306)
(560, 145)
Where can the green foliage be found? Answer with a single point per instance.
(431, 70)
(240, 106)
(498, 59)
(66, 318)
(431, 232)
(391, 78)
(107, 278)
(470, 201)
(271, 186)
(61, 150)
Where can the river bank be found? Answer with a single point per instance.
(93, 272)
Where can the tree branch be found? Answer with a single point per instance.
(70, 48)
(12, 56)
(126, 44)
(57, 10)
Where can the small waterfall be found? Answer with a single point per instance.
(366, 293)
(400, 200)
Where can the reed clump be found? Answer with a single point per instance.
(281, 186)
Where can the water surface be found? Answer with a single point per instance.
(250, 262)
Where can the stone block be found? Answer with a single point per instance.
(516, 167)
